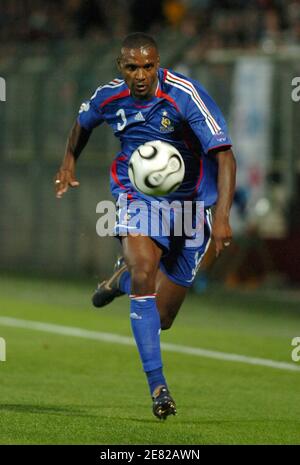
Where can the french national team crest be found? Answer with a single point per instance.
(166, 124)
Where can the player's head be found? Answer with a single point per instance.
(139, 62)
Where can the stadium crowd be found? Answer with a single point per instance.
(211, 24)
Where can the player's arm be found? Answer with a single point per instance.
(207, 122)
(65, 176)
(221, 230)
(89, 117)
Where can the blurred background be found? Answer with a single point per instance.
(53, 55)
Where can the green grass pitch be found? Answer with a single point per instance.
(58, 389)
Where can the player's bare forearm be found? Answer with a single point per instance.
(226, 183)
(76, 142)
(65, 176)
(222, 232)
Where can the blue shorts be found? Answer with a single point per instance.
(183, 232)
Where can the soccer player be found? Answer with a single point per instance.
(152, 103)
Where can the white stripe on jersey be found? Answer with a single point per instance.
(187, 84)
(188, 87)
(110, 85)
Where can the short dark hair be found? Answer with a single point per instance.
(138, 40)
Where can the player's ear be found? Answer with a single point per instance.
(119, 63)
(158, 61)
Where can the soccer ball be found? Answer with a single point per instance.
(156, 168)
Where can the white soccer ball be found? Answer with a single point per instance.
(156, 168)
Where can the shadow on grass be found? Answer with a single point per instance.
(44, 409)
(201, 421)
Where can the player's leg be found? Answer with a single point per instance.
(142, 256)
(178, 270)
(169, 294)
(170, 297)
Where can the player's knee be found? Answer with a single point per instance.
(142, 279)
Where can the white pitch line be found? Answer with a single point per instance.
(124, 340)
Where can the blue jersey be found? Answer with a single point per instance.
(181, 113)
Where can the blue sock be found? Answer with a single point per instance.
(145, 323)
(125, 282)
(155, 378)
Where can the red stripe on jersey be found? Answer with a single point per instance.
(143, 106)
(114, 173)
(190, 146)
(120, 95)
(165, 74)
(224, 146)
(161, 94)
(200, 175)
(192, 196)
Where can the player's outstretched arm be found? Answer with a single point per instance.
(65, 176)
(221, 229)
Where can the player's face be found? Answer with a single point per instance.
(139, 68)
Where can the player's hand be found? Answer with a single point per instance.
(221, 233)
(62, 180)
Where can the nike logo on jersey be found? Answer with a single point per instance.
(139, 116)
(85, 106)
(220, 137)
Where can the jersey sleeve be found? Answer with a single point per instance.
(206, 120)
(90, 114)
